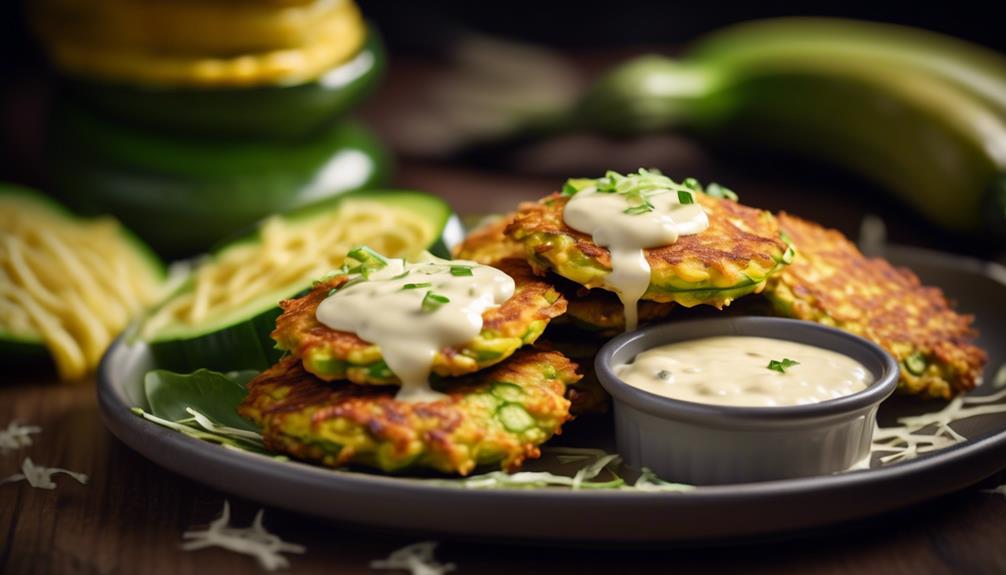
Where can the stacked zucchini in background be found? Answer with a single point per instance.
(190, 120)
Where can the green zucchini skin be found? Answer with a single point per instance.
(246, 343)
(276, 112)
(29, 350)
(20, 352)
(183, 195)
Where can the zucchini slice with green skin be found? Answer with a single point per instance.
(184, 195)
(239, 338)
(272, 111)
(22, 348)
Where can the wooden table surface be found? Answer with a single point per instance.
(130, 516)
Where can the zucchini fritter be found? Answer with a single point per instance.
(499, 416)
(733, 257)
(488, 243)
(831, 282)
(600, 312)
(332, 354)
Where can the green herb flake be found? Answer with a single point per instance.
(461, 271)
(685, 197)
(663, 375)
(692, 184)
(417, 286)
(643, 208)
(568, 189)
(916, 363)
(782, 366)
(433, 301)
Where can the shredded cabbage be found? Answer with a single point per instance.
(417, 559)
(16, 436)
(41, 477)
(254, 540)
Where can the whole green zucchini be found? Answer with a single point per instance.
(183, 195)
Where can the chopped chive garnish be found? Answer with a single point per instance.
(789, 254)
(916, 363)
(401, 275)
(782, 366)
(691, 184)
(351, 282)
(368, 260)
(640, 209)
(461, 271)
(685, 197)
(433, 301)
(568, 189)
(717, 191)
(364, 254)
(417, 286)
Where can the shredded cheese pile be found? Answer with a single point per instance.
(72, 284)
(254, 540)
(290, 255)
(908, 441)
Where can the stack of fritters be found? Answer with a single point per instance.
(332, 399)
(826, 280)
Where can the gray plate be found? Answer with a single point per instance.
(710, 513)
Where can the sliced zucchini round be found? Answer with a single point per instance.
(222, 316)
(184, 195)
(287, 111)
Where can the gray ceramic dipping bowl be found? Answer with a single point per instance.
(705, 444)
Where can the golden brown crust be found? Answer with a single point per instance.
(532, 305)
(341, 423)
(831, 281)
(736, 235)
(488, 244)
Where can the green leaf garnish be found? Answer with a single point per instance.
(685, 197)
(461, 271)
(782, 366)
(212, 393)
(417, 286)
(433, 301)
(692, 184)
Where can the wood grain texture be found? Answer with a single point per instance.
(130, 517)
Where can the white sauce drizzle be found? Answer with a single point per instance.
(626, 235)
(387, 310)
(733, 370)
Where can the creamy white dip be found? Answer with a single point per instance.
(413, 310)
(745, 371)
(625, 225)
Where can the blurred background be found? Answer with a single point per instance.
(472, 101)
